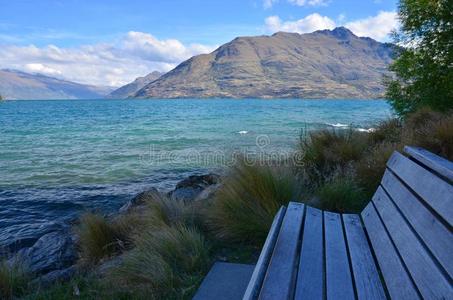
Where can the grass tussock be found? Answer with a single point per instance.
(341, 195)
(165, 261)
(248, 200)
(325, 152)
(99, 238)
(14, 279)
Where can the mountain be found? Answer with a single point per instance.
(323, 64)
(133, 87)
(17, 85)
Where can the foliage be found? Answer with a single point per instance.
(165, 262)
(98, 238)
(341, 195)
(424, 76)
(327, 152)
(248, 200)
(14, 279)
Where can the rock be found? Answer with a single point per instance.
(103, 269)
(190, 188)
(208, 192)
(138, 200)
(54, 276)
(53, 251)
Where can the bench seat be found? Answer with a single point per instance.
(400, 246)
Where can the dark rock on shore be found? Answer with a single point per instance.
(55, 276)
(191, 188)
(53, 251)
(139, 200)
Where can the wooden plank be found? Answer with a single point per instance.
(279, 281)
(436, 192)
(259, 272)
(310, 279)
(433, 233)
(436, 163)
(366, 276)
(338, 274)
(429, 280)
(397, 280)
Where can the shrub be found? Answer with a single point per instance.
(250, 196)
(430, 130)
(370, 169)
(161, 209)
(14, 279)
(341, 195)
(98, 238)
(164, 260)
(388, 131)
(327, 151)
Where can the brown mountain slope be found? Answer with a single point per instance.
(323, 64)
(131, 88)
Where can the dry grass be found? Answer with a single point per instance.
(14, 279)
(248, 200)
(341, 195)
(430, 130)
(163, 260)
(329, 151)
(98, 238)
(370, 169)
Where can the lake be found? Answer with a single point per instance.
(59, 158)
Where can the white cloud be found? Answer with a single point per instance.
(308, 24)
(269, 3)
(309, 2)
(135, 54)
(377, 27)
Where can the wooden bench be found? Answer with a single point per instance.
(399, 247)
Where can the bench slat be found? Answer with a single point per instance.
(436, 163)
(338, 274)
(397, 281)
(435, 235)
(279, 280)
(310, 278)
(435, 191)
(430, 281)
(259, 272)
(366, 277)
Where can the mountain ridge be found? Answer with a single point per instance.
(131, 88)
(322, 64)
(19, 85)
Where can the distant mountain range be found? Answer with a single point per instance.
(323, 64)
(17, 85)
(132, 88)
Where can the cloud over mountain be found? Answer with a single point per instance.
(114, 64)
(377, 27)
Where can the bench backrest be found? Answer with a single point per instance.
(409, 224)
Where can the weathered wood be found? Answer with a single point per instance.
(338, 274)
(429, 280)
(259, 272)
(436, 163)
(279, 281)
(434, 234)
(436, 192)
(310, 278)
(397, 280)
(366, 277)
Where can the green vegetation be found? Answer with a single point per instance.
(14, 279)
(248, 200)
(424, 76)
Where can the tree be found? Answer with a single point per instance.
(424, 68)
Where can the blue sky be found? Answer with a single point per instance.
(112, 42)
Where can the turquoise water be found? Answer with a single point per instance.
(58, 158)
